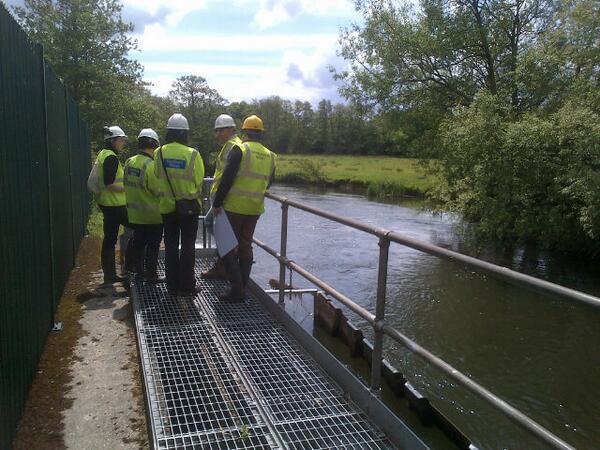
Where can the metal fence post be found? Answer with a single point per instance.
(54, 300)
(283, 250)
(384, 247)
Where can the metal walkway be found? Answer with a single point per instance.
(230, 376)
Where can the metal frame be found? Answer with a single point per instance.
(377, 320)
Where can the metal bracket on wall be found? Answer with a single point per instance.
(58, 326)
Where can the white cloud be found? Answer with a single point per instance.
(157, 37)
(275, 12)
(171, 12)
(237, 82)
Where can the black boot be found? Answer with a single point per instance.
(151, 266)
(133, 258)
(245, 269)
(236, 293)
(107, 258)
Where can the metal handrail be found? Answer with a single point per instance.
(377, 321)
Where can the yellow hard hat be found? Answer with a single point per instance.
(253, 123)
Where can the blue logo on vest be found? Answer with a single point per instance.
(175, 163)
(134, 171)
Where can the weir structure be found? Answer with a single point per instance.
(229, 376)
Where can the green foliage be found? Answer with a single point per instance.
(505, 95)
(527, 179)
(95, 222)
(87, 43)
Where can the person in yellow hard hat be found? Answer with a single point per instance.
(111, 198)
(248, 173)
(180, 173)
(225, 134)
(143, 212)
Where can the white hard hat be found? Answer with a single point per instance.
(224, 121)
(177, 122)
(149, 133)
(113, 132)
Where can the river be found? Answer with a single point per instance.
(541, 354)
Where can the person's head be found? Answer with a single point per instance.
(224, 128)
(253, 127)
(147, 140)
(114, 138)
(177, 129)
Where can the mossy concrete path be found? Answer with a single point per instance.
(88, 392)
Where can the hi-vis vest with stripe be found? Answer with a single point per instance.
(106, 197)
(222, 161)
(140, 190)
(186, 173)
(247, 193)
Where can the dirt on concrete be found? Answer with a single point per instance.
(88, 392)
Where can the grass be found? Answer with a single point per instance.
(94, 226)
(377, 176)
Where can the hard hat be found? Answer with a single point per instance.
(177, 122)
(253, 123)
(149, 133)
(224, 121)
(113, 132)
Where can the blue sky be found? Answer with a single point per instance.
(245, 49)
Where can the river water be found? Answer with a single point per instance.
(541, 354)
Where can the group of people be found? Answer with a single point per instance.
(158, 191)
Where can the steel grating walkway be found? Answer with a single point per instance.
(229, 376)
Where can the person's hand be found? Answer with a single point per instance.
(217, 210)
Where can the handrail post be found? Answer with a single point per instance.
(283, 250)
(384, 247)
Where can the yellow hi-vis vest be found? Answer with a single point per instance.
(222, 161)
(141, 189)
(247, 193)
(106, 197)
(186, 173)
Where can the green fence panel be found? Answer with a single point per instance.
(44, 163)
(60, 184)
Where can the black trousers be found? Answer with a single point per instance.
(113, 217)
(179, 265)
(145, 246)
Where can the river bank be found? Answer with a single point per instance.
(380, 177)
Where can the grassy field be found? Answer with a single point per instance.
(378, 176)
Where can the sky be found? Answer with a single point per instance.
(245, 49)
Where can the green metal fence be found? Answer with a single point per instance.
(44, 206)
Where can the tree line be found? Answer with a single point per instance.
(501, 97)
(88, 44)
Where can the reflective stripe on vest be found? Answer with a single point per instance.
(186, 171)
(246, 196)
(222, 162)
(142, 204)
(106, 197)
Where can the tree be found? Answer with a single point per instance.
(201, 105)
(87, 44)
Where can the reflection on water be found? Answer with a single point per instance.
(541, 354)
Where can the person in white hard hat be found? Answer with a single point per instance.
(225, 133)
(180, 173)
(111, 198)
(143, 212)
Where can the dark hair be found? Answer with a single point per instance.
(108, 143)
(145, 142)
(179, 136)
(254, 135)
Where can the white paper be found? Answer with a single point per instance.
(224, 235)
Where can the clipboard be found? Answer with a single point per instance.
(224, 235)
